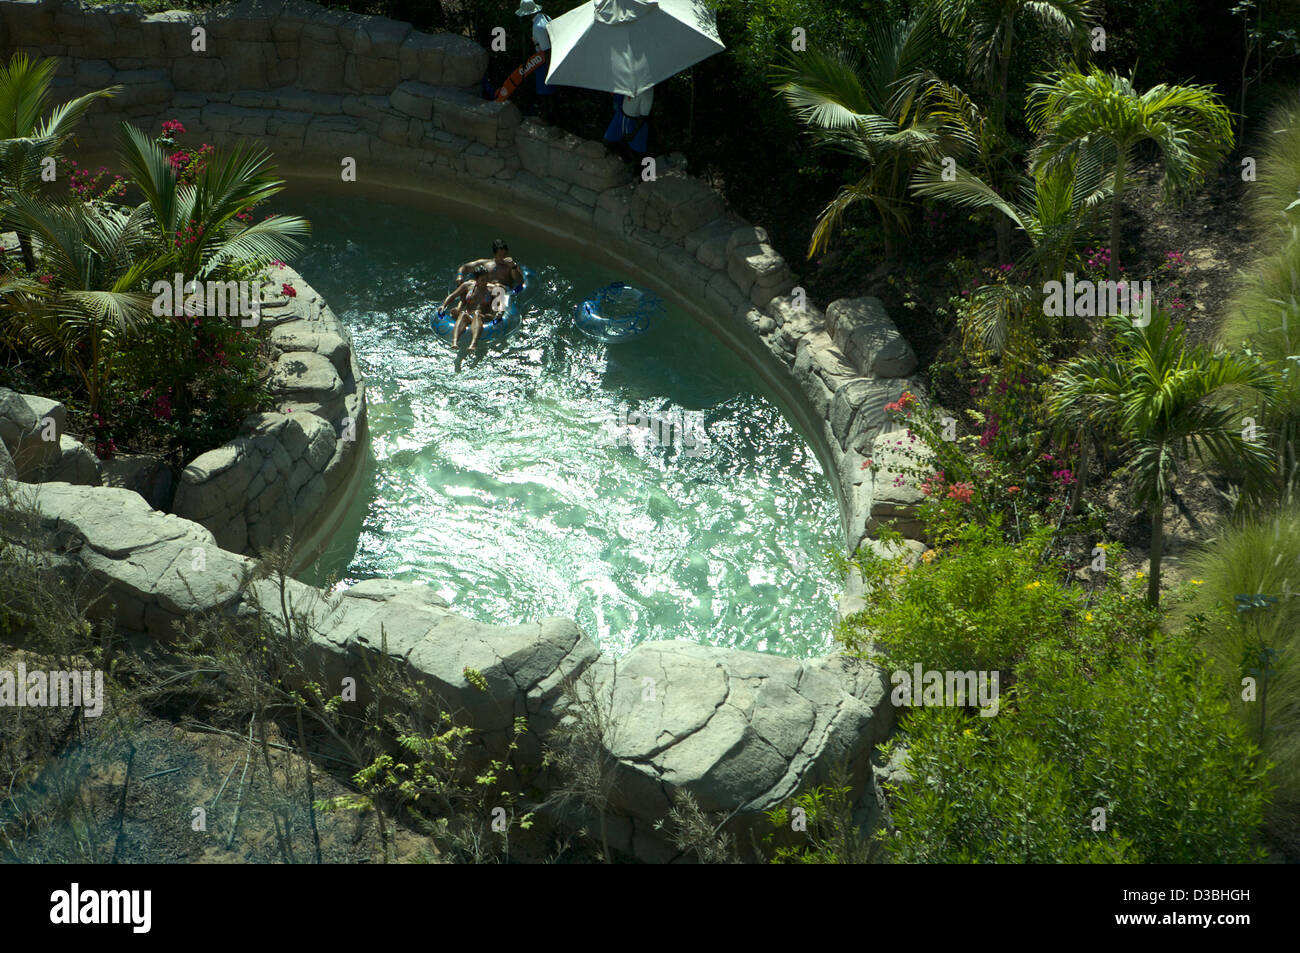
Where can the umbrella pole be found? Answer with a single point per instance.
(690, 123)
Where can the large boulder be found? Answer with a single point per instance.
(75, 464)
(820, 369)
(30, 429)
(857, 413)
(300, 336)
(302, 377)
(148, 569)
(674, 205)
(145, 474)
(265, 484)
(740, 731)
(863, 330)
(760, 271)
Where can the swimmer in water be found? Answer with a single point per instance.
(477, 296)
(502, 269)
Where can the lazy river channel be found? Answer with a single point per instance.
(499, 479)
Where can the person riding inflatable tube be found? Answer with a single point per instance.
(505, 309)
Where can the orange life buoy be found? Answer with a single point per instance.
(519, 75)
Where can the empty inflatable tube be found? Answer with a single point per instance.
(618, 312)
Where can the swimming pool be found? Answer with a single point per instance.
(499, 478)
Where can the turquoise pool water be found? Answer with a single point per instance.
(500, 480)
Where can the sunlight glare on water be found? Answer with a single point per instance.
(496, 482)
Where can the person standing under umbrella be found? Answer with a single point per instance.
(629, 130)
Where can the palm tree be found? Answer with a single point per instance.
(866, 111)
(197, 223)
(989, 27)
(26, 140)
(1055, 211)
(1189, 124)
(1165, 400)
(989, 153)
(98, 260)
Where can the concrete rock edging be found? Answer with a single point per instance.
(294, 471)
(741, 731)
(318, 87)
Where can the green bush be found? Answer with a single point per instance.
(989, 797)
(979, 604)
(1148, 740)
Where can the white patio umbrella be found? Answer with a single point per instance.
(627, 46)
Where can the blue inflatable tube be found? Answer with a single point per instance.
(504, 323)
(618, 312)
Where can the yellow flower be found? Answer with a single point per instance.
(1088, 617)
(1197, 582)
(928, 555)
(969, 731)
(1033, 585)
(1141, 574)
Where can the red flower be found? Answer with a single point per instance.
(288, 290)
(961, 492)
(1013, 489)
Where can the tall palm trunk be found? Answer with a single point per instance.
(25, 246)
(1003, 225)
(1116, 209)
(1002, 228)
(1005, 71)
(1157, 550)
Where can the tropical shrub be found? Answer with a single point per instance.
(860, 106)
(1146, 739)
(977, 603)
(1189, 125)
(1165, 401)
(173, 384)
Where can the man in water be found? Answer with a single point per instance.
(502, 269)
(477, 299)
